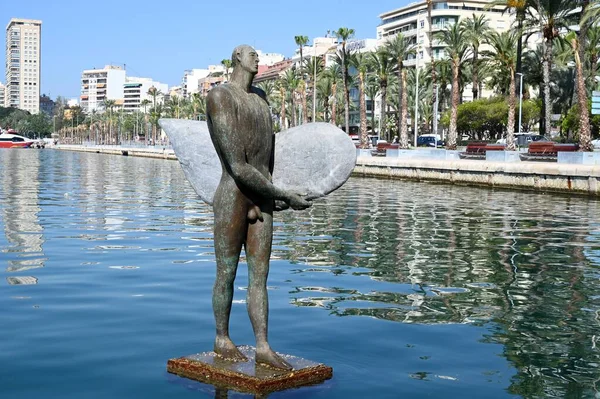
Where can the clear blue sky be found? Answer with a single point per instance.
(160, 39)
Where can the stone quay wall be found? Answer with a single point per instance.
(499, 170)
(537, 176)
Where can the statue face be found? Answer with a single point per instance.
(248, 60)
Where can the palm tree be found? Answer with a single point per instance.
(371, 91)
(324, 93)
(382, 67)
(335, 74)
(344, 34)
(197, 106)
(290, 83)
(227, 65)
(550, 16)
(301, 41)
(109, 105)
(519, 7)
(504, 57)
(430, 38)
(154, 93)
(585, 135)
(399, 48)
(361, 63)
(457, 48)
(268, 86)
(477, 31)
(314, 69)
(280, 85)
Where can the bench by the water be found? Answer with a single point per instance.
(546, 151)
(478, 150)
(382, 148)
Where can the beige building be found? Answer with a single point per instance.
(413, 22)
(23, 64)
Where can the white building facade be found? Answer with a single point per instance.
(99, 85)
(135, 91)
(23, 64)
(412, 22)
(2, 94)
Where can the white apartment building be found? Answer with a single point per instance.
(23, 64)
(413, 22)
(190, 80)
(98, 85)
(2, 94)
(135, 91)
(269, 59)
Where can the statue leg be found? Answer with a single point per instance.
(258, 252)
(230, 231)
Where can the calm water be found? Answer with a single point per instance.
(407, 289)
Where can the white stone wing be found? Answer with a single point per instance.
(196, 153)
(313, 159)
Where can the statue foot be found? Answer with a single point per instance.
(226, 349)
(266, 356)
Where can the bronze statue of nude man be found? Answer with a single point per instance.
(240, 125)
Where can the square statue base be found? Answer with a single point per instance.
(248, 376)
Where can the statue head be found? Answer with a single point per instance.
(245, 57)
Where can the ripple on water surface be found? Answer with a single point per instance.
(406, 289)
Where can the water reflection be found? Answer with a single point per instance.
(19, 196)
(463, 256)
(525, 266)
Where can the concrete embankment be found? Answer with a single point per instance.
(537, 176)
(147, 152)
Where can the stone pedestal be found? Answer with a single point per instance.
(248, 376)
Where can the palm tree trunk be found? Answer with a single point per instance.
(546, 76)
(402, 122)
(304, 107)
(346, 90)
(510, 126)
(452, 133)
(282, 121)
(401, 87)
(585, 135)
(519, 48)
(363, 112)
(382, 117)
(334, 104)
(475, 88)
(293, 123)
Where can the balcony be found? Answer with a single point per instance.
(442, 26)
(411, 62)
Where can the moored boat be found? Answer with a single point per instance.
(11, 139)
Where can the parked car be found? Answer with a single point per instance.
(524, 139)
(430, 140)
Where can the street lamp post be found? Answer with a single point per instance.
(435, 115)
(520, 100)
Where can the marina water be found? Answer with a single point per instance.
(406, 289)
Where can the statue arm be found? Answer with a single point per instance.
(227, 142)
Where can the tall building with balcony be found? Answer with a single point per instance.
(2, 94)
(100, 85)
(23, 64)
(412, 22)
(136, 91)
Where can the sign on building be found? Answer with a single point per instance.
(596, 103)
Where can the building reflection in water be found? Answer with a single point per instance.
(19, 197)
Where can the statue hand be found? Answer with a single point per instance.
(281, 205)
(296, 202)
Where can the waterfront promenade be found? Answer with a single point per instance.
(537, 176)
